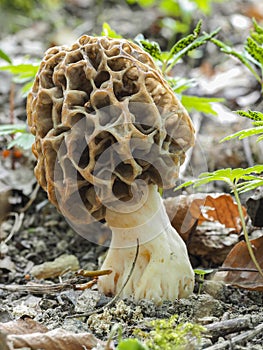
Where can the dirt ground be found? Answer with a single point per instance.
(40, 234)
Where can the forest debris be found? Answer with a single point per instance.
(255, 207)
(245, 336)
(7, 264)
(239, 257)
(5, 207)
(24, 325)
(221, 328)
(56, 268)
(209, 223)
(29, 333)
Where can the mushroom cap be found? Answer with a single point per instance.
(104, 120)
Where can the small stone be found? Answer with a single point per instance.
(87, 301)
(214, 288)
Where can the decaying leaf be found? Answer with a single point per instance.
(55, 268)
(239, 258)
(209, 223)
(30, 334)
(24, 325)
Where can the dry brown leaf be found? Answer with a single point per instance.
(30, 334)
(208, 223)
(184, 211)
(23, 325)
(239, 258)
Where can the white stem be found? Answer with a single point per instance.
(163, 270)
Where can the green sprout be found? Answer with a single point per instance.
(201, 273)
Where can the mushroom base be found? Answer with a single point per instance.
(162, 270)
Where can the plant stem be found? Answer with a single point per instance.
(244, 227)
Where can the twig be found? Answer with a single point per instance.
(222, 328)
(18, 222)
(33, 196)
(39, 288)
(113, 300)
(237, 339)
(12, 107)
(237, 269)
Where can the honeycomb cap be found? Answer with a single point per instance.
(104, 121)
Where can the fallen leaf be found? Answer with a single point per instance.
(24, 325)
(31, 334)
(187, 211)
(239, 258)
(208, 223)
(51, 269)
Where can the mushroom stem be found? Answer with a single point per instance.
(163, 270)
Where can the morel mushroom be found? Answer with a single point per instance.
(109, 132)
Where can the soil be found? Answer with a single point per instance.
(40, 234)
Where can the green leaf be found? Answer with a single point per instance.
(254, 50)
(257, 27)
(143, 3)
(202, 272)
(242, 57)
(228, 175)
(254, 115)
(244, 133)
(179, 85)
(22, 71)
(152, 48)
(184, 42)
(5, 57)
(201, 104)
(108, 31)
(131, 344)
(204, 6)
(9, 129)
(24, 141)
(26, 88)
(175, 55)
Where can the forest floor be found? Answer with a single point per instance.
(40, 234)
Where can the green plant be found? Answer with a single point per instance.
(23, 139)
(201, 273)
(131, 344)
(257, 118)
(176, 7)
(239, 180)
(18, 14)
(168, 334)
(167, 61)
(252, 54)
(177, 14)
(22, 73)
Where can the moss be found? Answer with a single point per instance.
(169, 335)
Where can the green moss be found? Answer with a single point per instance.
(168, 334)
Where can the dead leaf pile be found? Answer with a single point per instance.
(208, 223)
